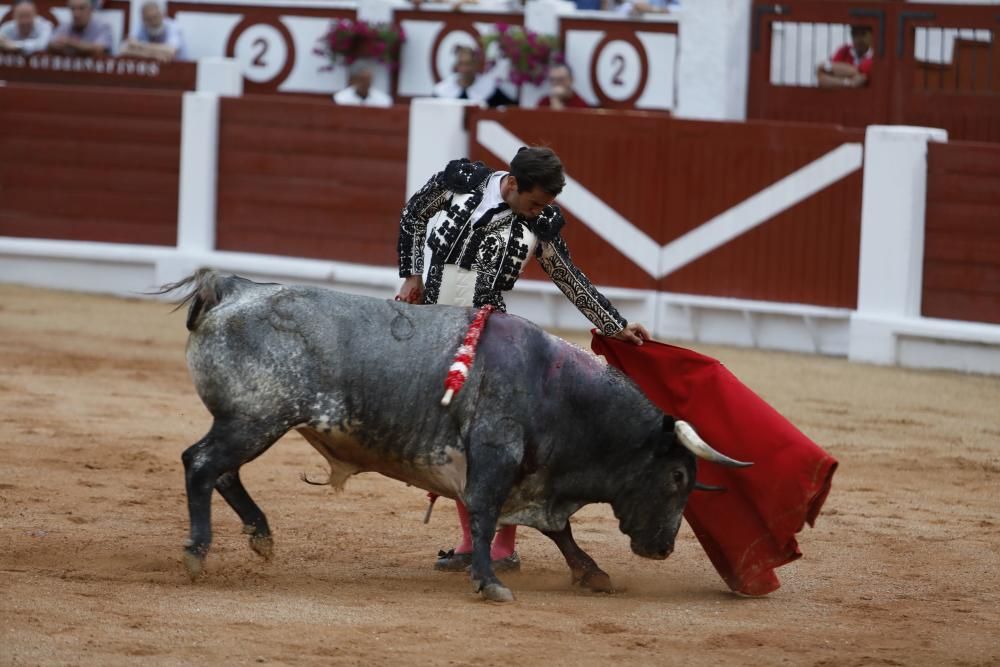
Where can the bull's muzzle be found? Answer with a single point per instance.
(659, 553)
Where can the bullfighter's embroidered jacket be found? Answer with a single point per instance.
(496, 250)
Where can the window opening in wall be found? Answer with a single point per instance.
(956, 60)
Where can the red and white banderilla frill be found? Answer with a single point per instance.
(458, 373)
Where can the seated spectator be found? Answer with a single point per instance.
(84, 35)
(157, 37)
(561, 94)
(27, 33)
(467, 83)
(359, 92)
(851, 65)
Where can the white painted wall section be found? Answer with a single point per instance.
(714, 59)
(221, 76)
(437, 135)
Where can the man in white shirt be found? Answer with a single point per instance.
(360, 92)
(84, 35)
(157, 37)
(467, 83)
(28, 33)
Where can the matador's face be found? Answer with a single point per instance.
(526, 204)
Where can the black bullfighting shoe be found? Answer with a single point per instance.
(449, 561)
(511, 563)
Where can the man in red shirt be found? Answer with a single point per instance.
(561, 93)
(851, 65)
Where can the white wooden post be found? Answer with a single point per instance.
(890, 272)
(196, 203)
(200, 152)
(437, 135)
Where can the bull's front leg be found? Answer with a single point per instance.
(494, 453)
(585, 571)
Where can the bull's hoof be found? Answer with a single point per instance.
(597, 581)
(194, 564)
(263, 545)
(496, 593)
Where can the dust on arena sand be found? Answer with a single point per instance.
(97, 408)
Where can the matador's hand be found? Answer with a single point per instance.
(412, 290)
(633, 333)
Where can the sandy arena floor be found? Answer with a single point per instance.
(96, 407)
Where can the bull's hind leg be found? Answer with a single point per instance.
(255, 525)
(585, 571)
(214, 462)
(495, 452)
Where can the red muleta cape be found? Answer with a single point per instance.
(749, 530)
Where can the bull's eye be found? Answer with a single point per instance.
(678, 476)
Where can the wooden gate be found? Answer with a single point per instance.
(787, 43)
(934, 65)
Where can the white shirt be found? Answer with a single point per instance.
(171, 36)
(482, 88)
(38, 40)
(349, 97)
(491, 197)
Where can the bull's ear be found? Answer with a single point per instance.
(668, 423)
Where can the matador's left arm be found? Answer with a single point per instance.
(553, 255)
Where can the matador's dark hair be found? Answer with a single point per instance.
(538, 166)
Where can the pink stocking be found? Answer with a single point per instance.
(465, 546)
(503, 544)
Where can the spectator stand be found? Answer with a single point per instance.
(619, 62)
(116, 13)
(935, 65)
(43, 68)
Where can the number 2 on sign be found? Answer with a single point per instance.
(618, 63)
(258, 60)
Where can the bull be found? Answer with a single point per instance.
(540, 429)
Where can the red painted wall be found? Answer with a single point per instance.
(89, 164)
(307, 178)
(669, 176)
(962, 240)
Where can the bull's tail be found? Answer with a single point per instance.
(206, 290)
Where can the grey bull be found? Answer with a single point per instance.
(540, 429)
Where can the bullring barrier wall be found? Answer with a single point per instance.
(795, 237)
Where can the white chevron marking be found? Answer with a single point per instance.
(657, 260)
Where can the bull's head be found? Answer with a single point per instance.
(649, 509)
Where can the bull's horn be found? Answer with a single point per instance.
(693, 442)
(698, 486)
